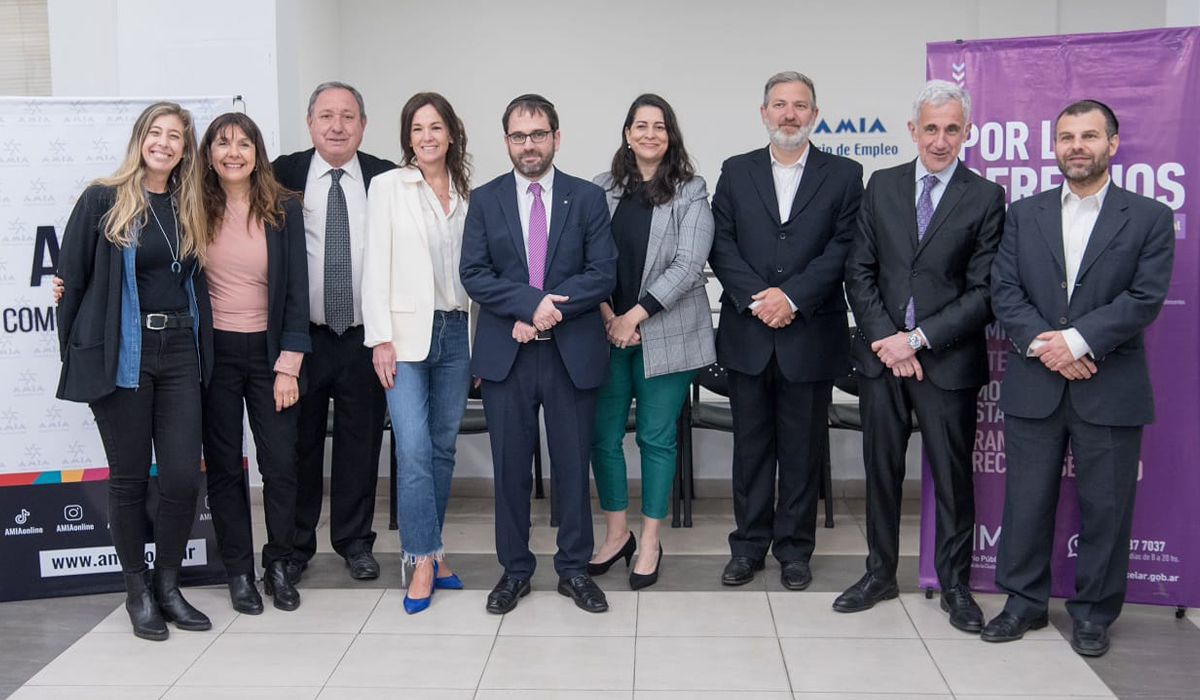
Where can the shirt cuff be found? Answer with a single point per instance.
(1076, 343)
(921, 334)
(289, 363)
(1033, 346)
(650, 304)
(790, 302)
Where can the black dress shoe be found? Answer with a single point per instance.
(796, 576)
(740, 570)
(864, 594)
(504, 596)
(281, 590)
(173, 606)
(1089, 638)
(626, 553)
(295, 569)
(1007, 627)
(584, 591)
(965, 614)
(639, 581)
(244, 595)
(363, 566)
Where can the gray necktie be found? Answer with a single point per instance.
(339, 271)
(924, 214)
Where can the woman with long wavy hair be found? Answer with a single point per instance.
(135, 332)
(258, 280)
(658, 320)
(415, 317)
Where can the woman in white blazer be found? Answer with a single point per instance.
(658, 320)
(415, 318)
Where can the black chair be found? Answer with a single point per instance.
(706, 415)
(474, 423)
(713, 415)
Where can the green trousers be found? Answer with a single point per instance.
(659, 400)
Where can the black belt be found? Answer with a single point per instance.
(544, 335)
(163, 321)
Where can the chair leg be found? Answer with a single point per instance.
(687, 485)
(827, 481)
(392, 523)
(676, 481)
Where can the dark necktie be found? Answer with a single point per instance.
(924, 214)
(537, 237)
(339, 270)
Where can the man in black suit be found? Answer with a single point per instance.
(333, 176)
(1082, 270)
(918, 281)
(538, 257)
(784, 221)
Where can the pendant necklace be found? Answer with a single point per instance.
(175, 266)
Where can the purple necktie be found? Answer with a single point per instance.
(924, 214)
(537, 237)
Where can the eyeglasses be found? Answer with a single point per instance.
(517, 138)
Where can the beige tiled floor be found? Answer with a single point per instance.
(758, 643)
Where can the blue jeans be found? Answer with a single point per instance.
(426, 403)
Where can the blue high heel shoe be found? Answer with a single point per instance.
(451, 582)
(416, 605)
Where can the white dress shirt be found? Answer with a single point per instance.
(525, 203)
(1079, 216)
(316, 199)
(787, 180)
(445, 233)
(787, 183)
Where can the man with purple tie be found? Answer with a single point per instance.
(538, 257)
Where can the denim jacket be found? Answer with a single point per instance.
(129, 353)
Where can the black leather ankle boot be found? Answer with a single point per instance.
(143, 611)
(172, 604)
(244, 595)
(277, 585)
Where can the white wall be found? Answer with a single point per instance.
(143, 48)
(709, 58)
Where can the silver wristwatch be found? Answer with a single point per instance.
(914, 340)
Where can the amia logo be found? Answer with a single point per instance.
(851, 125)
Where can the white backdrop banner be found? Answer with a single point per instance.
(50, 149)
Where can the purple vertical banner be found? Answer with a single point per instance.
(1017, 88)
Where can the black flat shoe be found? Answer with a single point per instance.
(244, 595)
(626, 551)
(964, 612)
(1007, 627)
(295, 570)
(1089, 639)
(740, 570)
(584, 591)
(281, 590)
(795, 576)
(639, 581)
(363, 566)
(865, 593)
(505, 594)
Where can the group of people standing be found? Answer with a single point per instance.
(203, 277)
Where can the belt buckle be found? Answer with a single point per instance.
(542, 335)
(151, 320)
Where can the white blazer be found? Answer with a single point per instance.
(397, 284)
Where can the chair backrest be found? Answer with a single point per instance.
(714, 378)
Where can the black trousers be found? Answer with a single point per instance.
(947, 419)
(776, 423)
(163, 411)
(242, 374)
(339, 368)
(539, 378)
(1106, 467)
